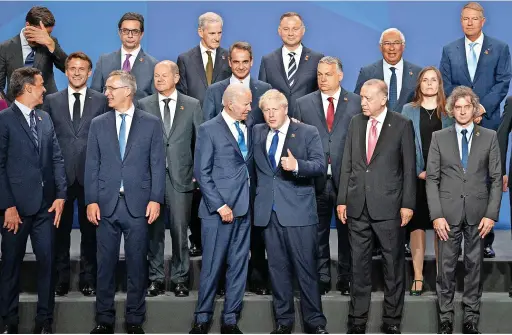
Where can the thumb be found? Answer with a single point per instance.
(147, 211)
(51, 209)
(289, 153)
(480, 226)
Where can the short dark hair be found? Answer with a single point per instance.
(242, 46)
(80, 55)
(132, 16)
(39, 13)
(20, 77)
(291, 14)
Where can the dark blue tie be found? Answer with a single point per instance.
(272, 150)
(465, 149)
(33, 128)
(393, 91)
(29, 61)
(241, 139)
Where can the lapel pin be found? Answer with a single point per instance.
(389, 124)
(345, 99)
(141, 59)
(223, 57)
(307, 57)
(40, 118)
(410, 73)
(477, 133)
(182, 108)
(293, 135)
(487, 51)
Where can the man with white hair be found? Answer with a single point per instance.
(223, 162)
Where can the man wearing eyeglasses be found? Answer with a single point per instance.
(130, 58)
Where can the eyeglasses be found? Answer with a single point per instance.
(111, 89)
(390, 44)
(134, 32)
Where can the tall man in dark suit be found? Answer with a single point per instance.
(33, 47)
(223, 167)
(464, 183)
(130, 58)
(33, 184)
(124, 187)
(72, 111)
(330, 110)
(377, 195)
(287, 157)
(483, 64)
(291, 68)
(180, 116)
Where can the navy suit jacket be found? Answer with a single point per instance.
(221, 170)
(212, 104)
(272, 72)
(142, 169)
(142, 70)
(74, 145)
(193, 76)
(310, 110)
(492, 76)
(409, 78)
(27, 174)
(293, 195)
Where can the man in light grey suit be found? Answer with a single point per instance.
(130, 58)
(464, 184)
(180, 115)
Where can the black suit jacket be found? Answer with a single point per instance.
(503, 134)
(11, 58)
(388, 182)
(193, 76)
(74, 146)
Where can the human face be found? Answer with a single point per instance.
(291, 30)
(275, 114)
(165, 80)
(429, 84)
(211, 34)
(240, 62)
(116, 92)
(472, 23)
(36, 91)
(240, 107)
(372, 100)
(328, 78)
(130, 34)
(463, 111)
(392, 47)
(78, 71)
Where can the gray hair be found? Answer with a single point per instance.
(233, 92)
(173, 66)
(332, 60)
(381, 85)
(209, 17)
(126, 79)
(273, 94)
(462, 92)
(402, 37)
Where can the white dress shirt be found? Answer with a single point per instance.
(71, 100)
(204, 55)
(469, 136)
(399, 71)
(380, 122)
(282, 137)
(231, 124)
(134, 54)
(25, 110)
(244, 81)
(477, 47)
(128, 123)
(325, 103)
(25, 47)
(172, 105)
(286, 58)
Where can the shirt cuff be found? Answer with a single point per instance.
(221, 207)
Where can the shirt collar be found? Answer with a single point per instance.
(129, 112)
(23, 39)
(479, 40)
(297, 51)
(134, 53)
(204, 49)
(24, 109)
(245, 81)
(398, 66)
(173, 96)
(470, 128)
(284, 128)
(229, 120)
(336, 95)
(380, 119)
(71, 91)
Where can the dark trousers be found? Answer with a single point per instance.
(223, 243)
(195, 221)
(294, 255)
(135, 231)
(41, 231)
(447, 262)
(87, 240)
(391, 238)
(326, 203)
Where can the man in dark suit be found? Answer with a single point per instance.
(483, 64)
(223, 168)
(33, 184)
(130, 58)
(33, 47)
(124, 187)
(464, 183)
(180, 116)
(291, 68)
(330, 110)
(377, 195)
(72, 111)
(288, 156)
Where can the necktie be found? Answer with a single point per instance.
(33, 128)
(76, 112)
(122, 139)
(393, 91)
(292, 69)
(330, 113)
(465, 149)
(472, 61)
(126, 65)
(372, 140)
(29, 61)
(273, 148)
(209, 68)
(241, 139)
(167, 117)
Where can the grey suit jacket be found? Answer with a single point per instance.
(142, 70)
(179, 145)
(451, 193)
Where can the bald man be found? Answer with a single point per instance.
(181, 116)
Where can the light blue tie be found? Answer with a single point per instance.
(472, 60)
(122, 138)
(241, 139)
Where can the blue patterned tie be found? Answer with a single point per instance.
(272, 150)
(29, 61)
(472, 61)
(122, 138)
(393, 91)
(33, 128)
(241, 139)
(465, 149)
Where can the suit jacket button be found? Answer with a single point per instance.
(330, 141)
(461, 196)
(368, 170)
(167, 144)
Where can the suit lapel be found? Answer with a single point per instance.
(475, 146)
(340, 109)
(387, 126)
(486, 45)
(407, 81)
(220, 56)
(87, 111)
(362, 137)
(178, 114)
(24, 124)
(263, 140)
(290, 135)
(133, 132)
(303, 59)
(112, 133)
(17, 53)
(198, 61)
(39, 126)
(463, 61)
(320, 109)
(139, 61)
(378, 70)
(64, 109)
(278, 60)
(455, 148)
(254, 91)
(229, 135)
(39, 56)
